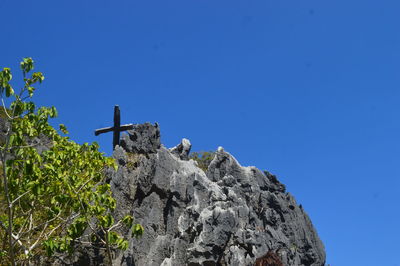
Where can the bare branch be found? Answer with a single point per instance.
(23, 194)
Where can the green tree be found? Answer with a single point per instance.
(55, 199)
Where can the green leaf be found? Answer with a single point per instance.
(122, 244)
(53, 112)
(11, 140)
(77, 228)
(9, 90)
(30, 91)
(137, 230)
(102, 189)
(6, 75)
(106, 221)
(128, 220)
(63, 128)
(37, 77)
(112, 237)
(26, 65)
(50, 247)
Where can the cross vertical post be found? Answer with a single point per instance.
(117, 123)
(117, 128)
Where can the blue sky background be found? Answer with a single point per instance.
(308, 90)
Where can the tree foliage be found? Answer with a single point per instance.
(56, 197)
(203, 158)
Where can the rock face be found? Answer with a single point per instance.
(228, 215)
(142, 139)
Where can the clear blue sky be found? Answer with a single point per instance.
(308, 90)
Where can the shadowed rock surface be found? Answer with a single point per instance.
(269, 259)
(228, 215)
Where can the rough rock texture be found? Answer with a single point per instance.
(4, 127)
(182, 150)
(269, 259)
(143, 139)
(230, 215)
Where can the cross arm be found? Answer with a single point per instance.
(103, 130)
(108, 129)
(126, 127)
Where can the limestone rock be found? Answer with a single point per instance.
(182, 150)
(143, 138)
(228, 215)
(4, 128)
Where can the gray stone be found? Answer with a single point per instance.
(4, 128)
(230, 215)
(182, 150)
(143, 138)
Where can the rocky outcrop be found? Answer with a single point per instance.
(182, 150)
(228, 215)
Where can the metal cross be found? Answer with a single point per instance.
(117, 128)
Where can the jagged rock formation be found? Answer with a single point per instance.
(228, 215)
(182, 149)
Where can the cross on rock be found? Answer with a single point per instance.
(117, 128)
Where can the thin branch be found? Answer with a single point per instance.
(40, 236)
(107, 246)
(114, 226)
(20, 196)
(5, 109)
(29, 146)
(93, 230)
(16, 238)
